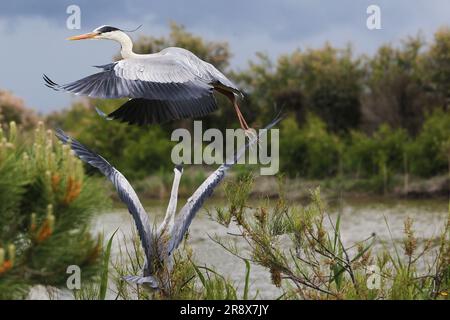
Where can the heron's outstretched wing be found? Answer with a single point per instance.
(143, 111)
(195, 202)
(154, 77)
(123, 187)
(162, 86)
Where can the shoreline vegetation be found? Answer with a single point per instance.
(296, 189)
(375, 124)
(302, 248)
(299, 245)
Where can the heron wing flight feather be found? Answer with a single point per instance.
(154, 77)
(161, 88)
(129, 197)
(143, 111)
(123, 187)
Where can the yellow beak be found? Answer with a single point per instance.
(89, 35)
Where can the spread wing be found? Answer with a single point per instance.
(124, 189)
(195, 202)
(161, 88)
(160, 77)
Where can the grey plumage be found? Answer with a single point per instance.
(204, 191)
(123, 187)
(168, 85)
(155, 244)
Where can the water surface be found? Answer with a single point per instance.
(360, 219)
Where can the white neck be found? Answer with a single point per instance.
(125, 43)
(169, 219)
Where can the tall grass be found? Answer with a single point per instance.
(303, 250)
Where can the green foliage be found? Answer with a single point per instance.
(215, 286)
(105, 268)
(396, 92)
(384, 150)
(45, 208)
(438, 64)
(326, 81)
(310, 151)
(302, 248)
(366, 118)
(430, 153)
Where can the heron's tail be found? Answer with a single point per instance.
(149, 280)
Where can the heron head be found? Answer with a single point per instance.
(103, 32)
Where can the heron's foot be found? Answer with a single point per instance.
(251, 134)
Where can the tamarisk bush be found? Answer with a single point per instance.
(302, 248)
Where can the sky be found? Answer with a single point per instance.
(33, 32)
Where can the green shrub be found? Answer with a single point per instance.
(46, 203)
(366, 156)
(430, 151)
(302, 248)
(310, 151)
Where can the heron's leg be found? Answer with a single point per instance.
(241, 119)
(231, 96)
(249, 132)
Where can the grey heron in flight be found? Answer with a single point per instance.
(168, 85)
(159, 244)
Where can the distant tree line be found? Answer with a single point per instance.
(359, 116)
